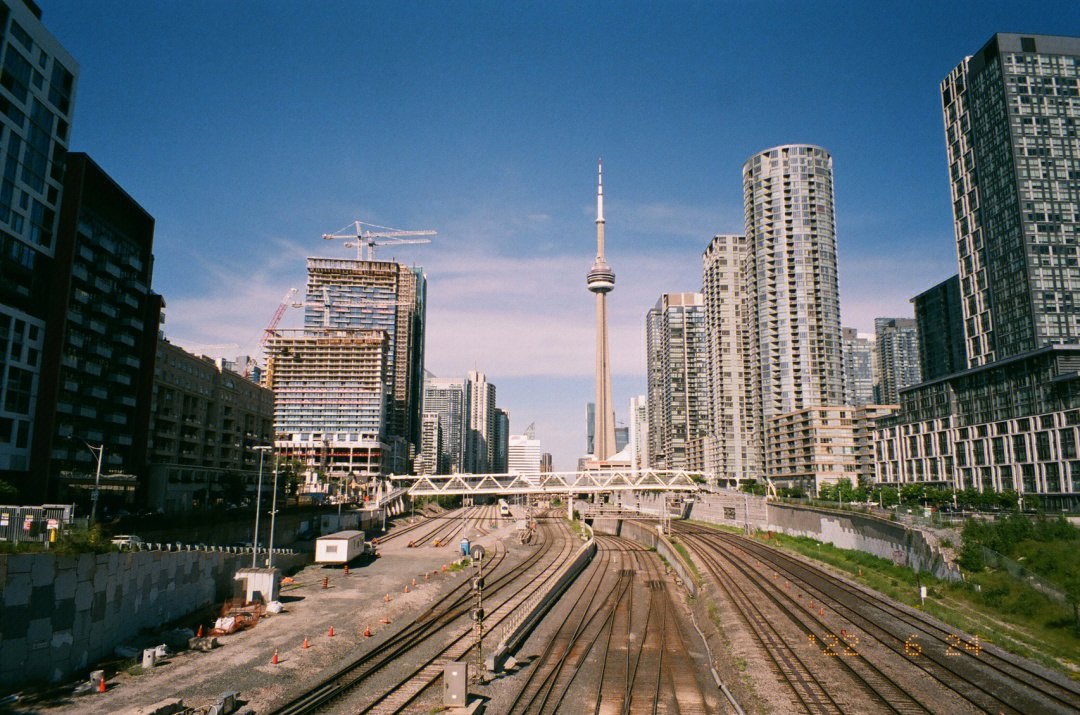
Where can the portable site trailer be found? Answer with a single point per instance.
(339, 548)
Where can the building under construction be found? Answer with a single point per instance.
(347, 386)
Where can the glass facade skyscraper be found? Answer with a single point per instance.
(939, 319)
(1011, 112)
(897, 356)
(38, 79)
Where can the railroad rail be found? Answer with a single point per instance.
(644, 665)
(447, 615)
(902, 659)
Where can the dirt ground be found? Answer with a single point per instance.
(351, 604)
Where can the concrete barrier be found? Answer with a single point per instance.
(60, 614)
(540, 606)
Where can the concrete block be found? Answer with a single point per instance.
(97, 606)
(38, 663)
(14, 621)
(42, 602)
(19, 563)
(38, 632)
(63, 615)
(84, 596)
(64, 585)
(42, 569)
(17, 590)
(85, 567)
(13, 652)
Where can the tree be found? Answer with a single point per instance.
(971, 556)
(8, 493)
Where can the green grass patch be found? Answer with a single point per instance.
(993, 605)
(686, 559)
(740, 663)
(575, 526)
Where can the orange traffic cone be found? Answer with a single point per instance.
(414, 582)
(425, 575)
(199, 634)
(822, 612)
(101, 686)
(367, 632)
(387, 599)
(331, 633)
(346, 569)
(306, 644)
(273, 661)
(385, 620)
(406, 588)
(444, 567)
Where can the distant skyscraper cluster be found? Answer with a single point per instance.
(473, 433)
(754, 377)
(980, 390)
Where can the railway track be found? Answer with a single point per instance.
(441, 529)
(902, 660)
(445, 617)
(642, 662)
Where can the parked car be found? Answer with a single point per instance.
(127, 541)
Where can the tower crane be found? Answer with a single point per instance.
(367, 238)
(268, 331)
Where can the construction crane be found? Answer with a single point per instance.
(268, 331)
(367, 238)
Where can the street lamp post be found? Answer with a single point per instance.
(273, 517)
(97, 481)
(258, 508)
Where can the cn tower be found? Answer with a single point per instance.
(601, 281)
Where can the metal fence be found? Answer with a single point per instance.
(34, 523)
(1003, 563)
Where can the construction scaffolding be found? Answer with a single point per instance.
(330, 401)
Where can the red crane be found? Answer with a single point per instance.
(271, 327)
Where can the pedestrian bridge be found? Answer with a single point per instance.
(555, 483)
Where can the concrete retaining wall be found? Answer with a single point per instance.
(846, 530)
(731, 509)
(871, 534)
(60, 614)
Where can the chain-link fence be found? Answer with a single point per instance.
(1003, 563)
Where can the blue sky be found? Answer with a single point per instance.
(249, 129)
